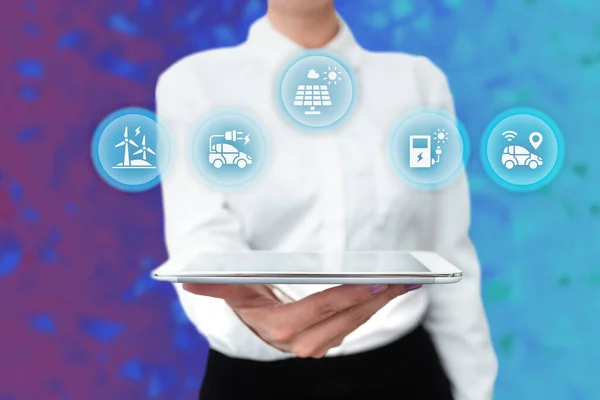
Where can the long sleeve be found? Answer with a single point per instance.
(196, 217)
(456, 317)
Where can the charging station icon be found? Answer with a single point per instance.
(428, 147)
(420, 149)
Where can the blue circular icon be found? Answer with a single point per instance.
(522, 149)
(229, 149)
(317, 90)
(429, 148)
(131, 150)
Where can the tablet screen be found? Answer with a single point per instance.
(306, 263)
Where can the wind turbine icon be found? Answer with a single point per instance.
(134, 164)
(144, 149)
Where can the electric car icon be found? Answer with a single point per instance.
(227, 154)
(519, 155)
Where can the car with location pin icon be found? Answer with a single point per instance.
(518, 155)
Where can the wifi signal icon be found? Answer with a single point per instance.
(510, 135)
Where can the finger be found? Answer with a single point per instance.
(311, 310)
(318, 339)
(344, 323)
(280, 325)
(247, 296)
(211, 290)
(321, 351)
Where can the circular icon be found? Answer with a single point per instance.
(131, 150)
(317, 90)
(522, 149)
(229, 148)
(428, 148)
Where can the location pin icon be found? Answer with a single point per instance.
(536, 139)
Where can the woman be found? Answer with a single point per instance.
(331, 191)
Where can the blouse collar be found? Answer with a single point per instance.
(267, 41)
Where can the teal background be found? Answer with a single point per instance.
(539, 251)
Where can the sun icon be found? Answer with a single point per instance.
(441, 136)
(332, 75)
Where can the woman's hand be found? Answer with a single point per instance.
(308, 327)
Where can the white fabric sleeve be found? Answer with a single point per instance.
(196, 218)
(456, 317)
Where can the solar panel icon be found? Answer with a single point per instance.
(316, 91)
(313, 97)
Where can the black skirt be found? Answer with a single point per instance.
(409, 369)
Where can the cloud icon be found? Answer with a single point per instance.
(312, 74)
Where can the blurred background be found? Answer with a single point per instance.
(79, 317)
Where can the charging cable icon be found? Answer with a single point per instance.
(438, 151)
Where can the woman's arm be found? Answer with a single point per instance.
(456, 317)
(196, 218)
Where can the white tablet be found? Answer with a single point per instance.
(353, 267)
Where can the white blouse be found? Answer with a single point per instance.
(328, 191)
